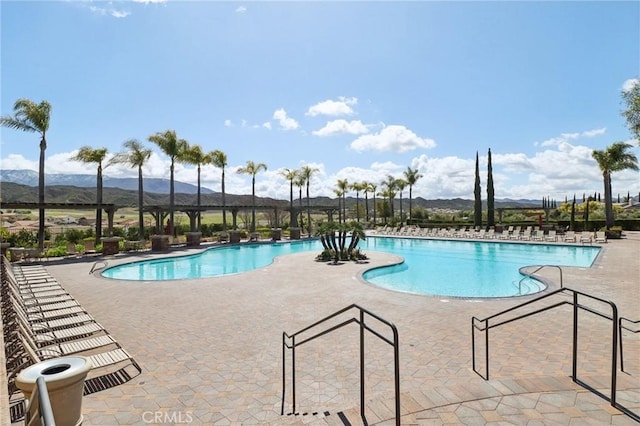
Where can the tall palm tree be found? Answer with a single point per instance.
(174, 148)
(300, 182)
(219, 159)
(86, 154)
(339, 193)
(357, 187)
(343, 186)
(32, 117)
(373, 187)
(613, 159)
(390, 185)
(135, 156)
(400, 185)
(365, 190)
(411, 176)
(193, 155)
(306, 173)
(253, 169)
(291, 175)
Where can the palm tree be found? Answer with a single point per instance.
(358, 186)
(400, 185)
(373, 188)
(390, 184)
(219, 159)
(135, 156)
(299, 182)
(253, 169)
(291, 175)
(613, 159)
(86, 154)
(193, 155)
(32, 117)
(411, 176)
(306, 173)
(174, 148)
(384, 209)
(339, 193)
(343, 185)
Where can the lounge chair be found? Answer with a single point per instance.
(601, 237)
(526, 234)
(551, 236)
(586, 237)
(570, 237)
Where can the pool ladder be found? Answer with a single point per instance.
(100, 264)
(529, 275)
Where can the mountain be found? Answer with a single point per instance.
(17, 193)
(158, 186)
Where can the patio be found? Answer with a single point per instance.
(211, 349)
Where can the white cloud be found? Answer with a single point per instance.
(286, 122)
(244, 123)
(104, 11)
(149, 1)
(329, 107)
(228, 123)
(241, 9)
(267, 125)
(391, 138)
(565, 137)
(629, 84)
(341, 126)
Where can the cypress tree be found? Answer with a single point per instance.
(490, 194)
(573, 214)
(477, 205)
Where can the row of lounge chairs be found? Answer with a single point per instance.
(41, 320)
(512, 233)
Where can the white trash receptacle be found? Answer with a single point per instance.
(65, 383)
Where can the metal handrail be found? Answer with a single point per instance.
(576, 306)
(530, 274)
(620, 328)
(363, 326)
(94, 267)
(39, 411)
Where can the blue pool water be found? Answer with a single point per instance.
(437, 267)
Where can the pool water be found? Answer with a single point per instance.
(436, 267)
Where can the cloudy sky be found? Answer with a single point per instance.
(359, 90)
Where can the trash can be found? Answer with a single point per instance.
(65, 383)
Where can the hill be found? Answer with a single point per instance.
(154, 185)
(19, 193)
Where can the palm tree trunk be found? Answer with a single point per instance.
(410, 199)
(140, 201)
(374, 209)
(293, 217)
(253, 204)
(608, 202)
(43, 147)
(366, 207)
(99, 202)
(199, 211)
(171, 202)
(308, 212)
(224, 205)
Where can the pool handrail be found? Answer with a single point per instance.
(576, 306)
(623, 327)
(363, 326)
(530, 274)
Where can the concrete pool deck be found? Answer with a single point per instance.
(211, 349)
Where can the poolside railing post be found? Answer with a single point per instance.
(362, 365)
(614, 354)
(486, 345)
(396, 355)
(575, 337)
(473, 345)
(284, 365)
(293, 371)
(621, 349)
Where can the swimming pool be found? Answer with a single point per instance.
(436, 267)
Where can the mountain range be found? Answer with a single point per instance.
(159, 186)
(20, 186)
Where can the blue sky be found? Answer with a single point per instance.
(358, 90)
